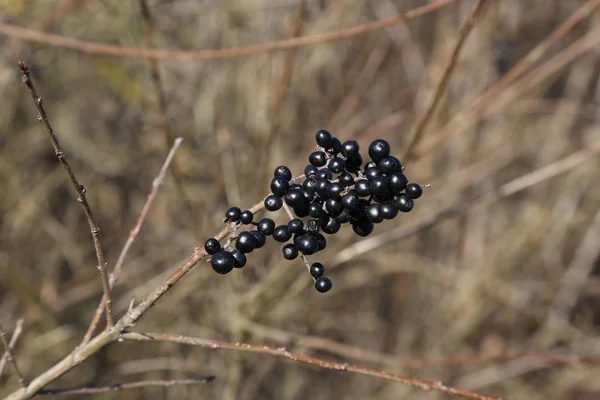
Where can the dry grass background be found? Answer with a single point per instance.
(519, 273)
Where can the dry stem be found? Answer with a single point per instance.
(114, 276)
(9, 356)
(99, 48)
(283, 352)
(117, 387)
(42, 117)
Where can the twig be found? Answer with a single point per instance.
(467, 118)
(13, 341)
(43, 118)
(114, 276)
(512, 187)
(8, 353)
(366, 355)
(421, 126)
(302, 255)
(282, 90)
(123, 386)
(99, 48)
(162, 109)
(283, 352)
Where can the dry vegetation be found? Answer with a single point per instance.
(490, 285)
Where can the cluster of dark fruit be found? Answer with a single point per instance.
(337, 189)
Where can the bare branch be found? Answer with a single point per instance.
(8, 353)
(283, 352)
(117, 387)
(114, 276)
(421, 126)
(43, 118)
(99, 48)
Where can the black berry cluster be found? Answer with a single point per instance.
(338, 188)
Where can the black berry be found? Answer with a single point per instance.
(279, 186)
(363, 187)
(308, 244)
(273, 203)
(266, 226)
(414, 190)
(282, 233)
(233, 214)
(246, 217)
(388, 210)
(245, 242)
(212, 246)
(290, 251)
(317, 270)
(362, 227)
(240, 258)
(260, 238)
(323, 284)
(336, 165)
(283, 172)
(350, 148)
(397, 182)
(222, 262)
(404, 203)
(324, 139)
(379, 149)
(296, 225)
(317, 158)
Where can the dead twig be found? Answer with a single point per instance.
(283, 352)
(8, 356)
(117, 387)
(421, 126)
(114, 276)
(43, 118)
(99, 48)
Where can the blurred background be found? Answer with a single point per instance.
(499, 257)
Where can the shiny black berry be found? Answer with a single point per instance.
(290, 251)
(404, 203)
(363, 187)
(233, 214)
(362, 227)
(350, 199)
(317, 270)
(379, 186)
(240, 258)
(321, 188)
(294, 198)
(334, 190)
(374, 213)
(329, 225)
(245, 242)
(336, 146)
(379, 149)
(315, 210)
(222, 262)
(397, 182)
(273, 203)
(372, 173)
(414, 190)
(296, 225)
(333, 206)
(266, 226)
(301, 210)
(310, 170)
(388, 210)
(323, 174)
(353, 164)
(399, 166)
(324, 139)
(346, 179)
(284, 172)
(212, 246)
(317, 158)
(387, 165)
(323, 284)
(259, 237)
(350, 148)
(279, 186)
(336, 165)
(344, 216)
(309, 184)
(282, 233)
(246, 217)
(307, 244)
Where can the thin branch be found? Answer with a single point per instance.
(366, 355)
(43, 118)
(283, 352)
(469, 117)
(162, 109)
(99, 48)
(117, 387)
(516, 185)
(114, 276)
(11, 345)
(421, 126)
(8, 353)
